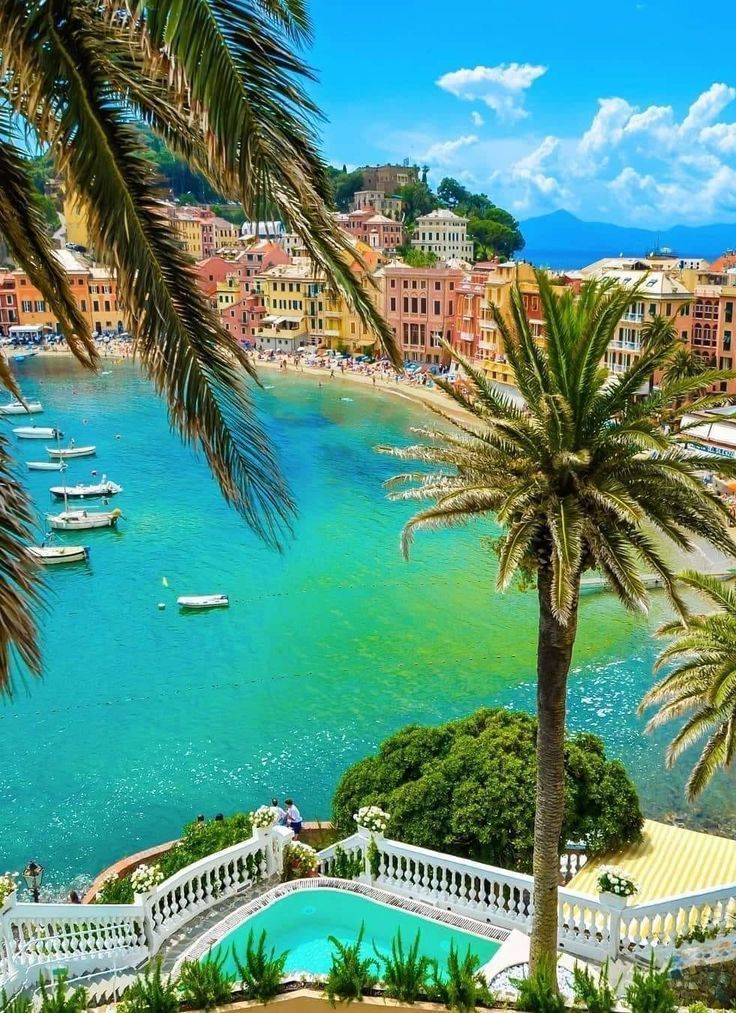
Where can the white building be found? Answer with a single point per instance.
(445, 234)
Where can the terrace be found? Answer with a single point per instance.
(201, 903)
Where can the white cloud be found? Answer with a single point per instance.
(502, 88)
(442, 152)
(707, 107)
(477, 119)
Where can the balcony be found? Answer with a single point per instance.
(487, 325)
(466, 336)
(633, 317)
(626, 346)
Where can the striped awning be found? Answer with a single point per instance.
(667, 861)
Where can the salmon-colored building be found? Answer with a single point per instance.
(376, 230)
(8, 302)
(420, 305)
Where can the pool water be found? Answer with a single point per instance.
(302, 922)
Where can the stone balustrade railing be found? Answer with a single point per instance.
(36, 939)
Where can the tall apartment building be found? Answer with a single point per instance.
(419, 305)
(387, 178)
(8, 303)
(445, 234)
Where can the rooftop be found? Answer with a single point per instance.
(442, 215)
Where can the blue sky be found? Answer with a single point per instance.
(622, 112)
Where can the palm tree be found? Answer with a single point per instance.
(702, 686)
(572, 480)
(221, 84)
(683, 362)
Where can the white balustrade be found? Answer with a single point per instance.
(653, 927)
(354, 847)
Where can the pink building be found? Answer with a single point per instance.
(376, 230)
(420, 305)
(259, 257)
(243, 318)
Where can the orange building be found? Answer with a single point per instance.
(94, 289)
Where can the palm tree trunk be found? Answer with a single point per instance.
(554, 653)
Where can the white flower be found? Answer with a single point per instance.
(264, 817)
(372, 818)
(145, 878)
(7, 885)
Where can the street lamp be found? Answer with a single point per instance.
(33, 875)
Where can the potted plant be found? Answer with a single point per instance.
(145, 878)
(8, 886)
(300, 861)
(371, 820)
(615, 887)
(263, 819)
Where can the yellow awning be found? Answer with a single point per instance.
(667, 861)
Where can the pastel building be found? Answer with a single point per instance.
(375, 230)
(8, 303)
(444, 234)
(93, 288)
(419, 304)
(377, 201)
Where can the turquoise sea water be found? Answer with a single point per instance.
(303, 921)
(146, 718)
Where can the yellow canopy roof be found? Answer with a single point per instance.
(667, 861)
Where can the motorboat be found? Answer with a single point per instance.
(46, 465)
(203, 601)
(83, 520)
(38, 433)
(103, 488)
(50, 555)
(71, 451)
(16, 407)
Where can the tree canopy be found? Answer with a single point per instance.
(467, 788)
(494, 230)
(344, 186)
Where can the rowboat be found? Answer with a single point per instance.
(71, 451)
(46, 466)
(50, 555)
(38, 433)
(83, 520)
(16, 407)
(103, 488)
(203, 601)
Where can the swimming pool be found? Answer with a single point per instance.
(301, 922)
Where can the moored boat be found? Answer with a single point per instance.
(37, 433)
(103, 488)
(16, 407)
(50, 555)
(83, 520)
(203, 601)
(46, 466)
(71, 451)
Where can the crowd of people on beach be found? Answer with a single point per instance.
(415, 374)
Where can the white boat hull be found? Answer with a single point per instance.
(64, 452)
(85, 491)
(52, 555)
(203, 601)
(18, 408)
(37, 433)
(46, 466)
(83, 520)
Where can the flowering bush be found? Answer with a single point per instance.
(372, 818)
(616, 881)
(7, 885)
(299, 860)
(264, 817)
(145, 877)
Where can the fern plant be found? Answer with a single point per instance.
(59, 998)
(651, 991)
(205, 984)
(598, 996)
(538, 992)
(261, 972)
(462, 987)
(15, 1004)
(151, 993)
(406, 974)
(351, 974)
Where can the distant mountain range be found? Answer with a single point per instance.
(561, 240)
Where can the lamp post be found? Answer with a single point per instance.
(33, 875)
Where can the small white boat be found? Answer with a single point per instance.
(38, 433)
(50, 555)
(83, 520)
(16, 407)
(46, 466)
(103, 488)
(203, 601)
(71, 451)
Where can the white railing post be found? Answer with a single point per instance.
(6, 937)
(279, 838)
(366, 838)
(143, 901)
(613, 907)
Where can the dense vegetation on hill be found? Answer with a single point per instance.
(467, 788)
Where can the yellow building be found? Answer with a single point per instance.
(76, 223)
(200, 232)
